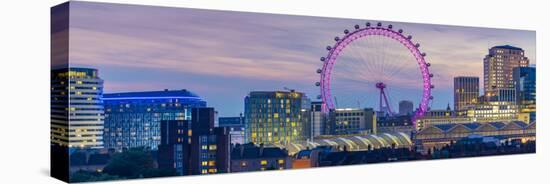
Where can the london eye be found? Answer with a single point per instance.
(375, 66)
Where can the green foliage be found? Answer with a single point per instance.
(135, 163)
(130, 163)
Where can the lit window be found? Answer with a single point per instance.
(281, 161)
(212, 147)
(263, 162)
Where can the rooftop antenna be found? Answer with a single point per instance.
(335, 102)
(288, 89)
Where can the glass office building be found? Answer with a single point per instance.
(133, 119)
(351, 121)
(466, 91)
(273, 117)
(526, 91)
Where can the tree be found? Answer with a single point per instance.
(132, 163)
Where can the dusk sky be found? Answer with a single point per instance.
(222, 55)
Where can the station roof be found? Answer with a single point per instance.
(353, 143)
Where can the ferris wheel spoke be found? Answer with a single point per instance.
(361, 66)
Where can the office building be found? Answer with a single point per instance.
(395, 124)
(525, 80)
(210, 145)
(235, 126)
(59, 101)
(466, 91)
(173, 150)
(194, 147)
(492, 111)
(77, 113)
(250, 157)
(351, 121)
(498, 68)
(275, 117)
(231, 121)
(479, 113)
(133, 119)
(406, 107)
(504, 95)
(317, 120)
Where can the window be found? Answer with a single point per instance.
(281, 161)
(213, 147)
(212, 163)
(263, 162)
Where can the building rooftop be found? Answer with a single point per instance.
(497, 125)
(474, 126)
(352, 143)
(152, 94)
(507, 47)
(251, 151)
(275, 94)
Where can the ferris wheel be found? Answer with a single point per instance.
(375, 66)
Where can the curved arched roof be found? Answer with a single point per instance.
(354, 143)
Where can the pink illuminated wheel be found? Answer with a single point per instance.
(391, 41)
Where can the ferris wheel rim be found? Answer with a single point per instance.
(341, 43)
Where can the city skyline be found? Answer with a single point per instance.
(144, 51)
(144, 91)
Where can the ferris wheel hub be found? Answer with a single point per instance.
(380, 85)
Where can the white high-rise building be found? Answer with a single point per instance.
(77, 108)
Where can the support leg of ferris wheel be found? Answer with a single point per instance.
(384, 99)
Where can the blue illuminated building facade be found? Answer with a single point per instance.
(133, 119)
(526, 91)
